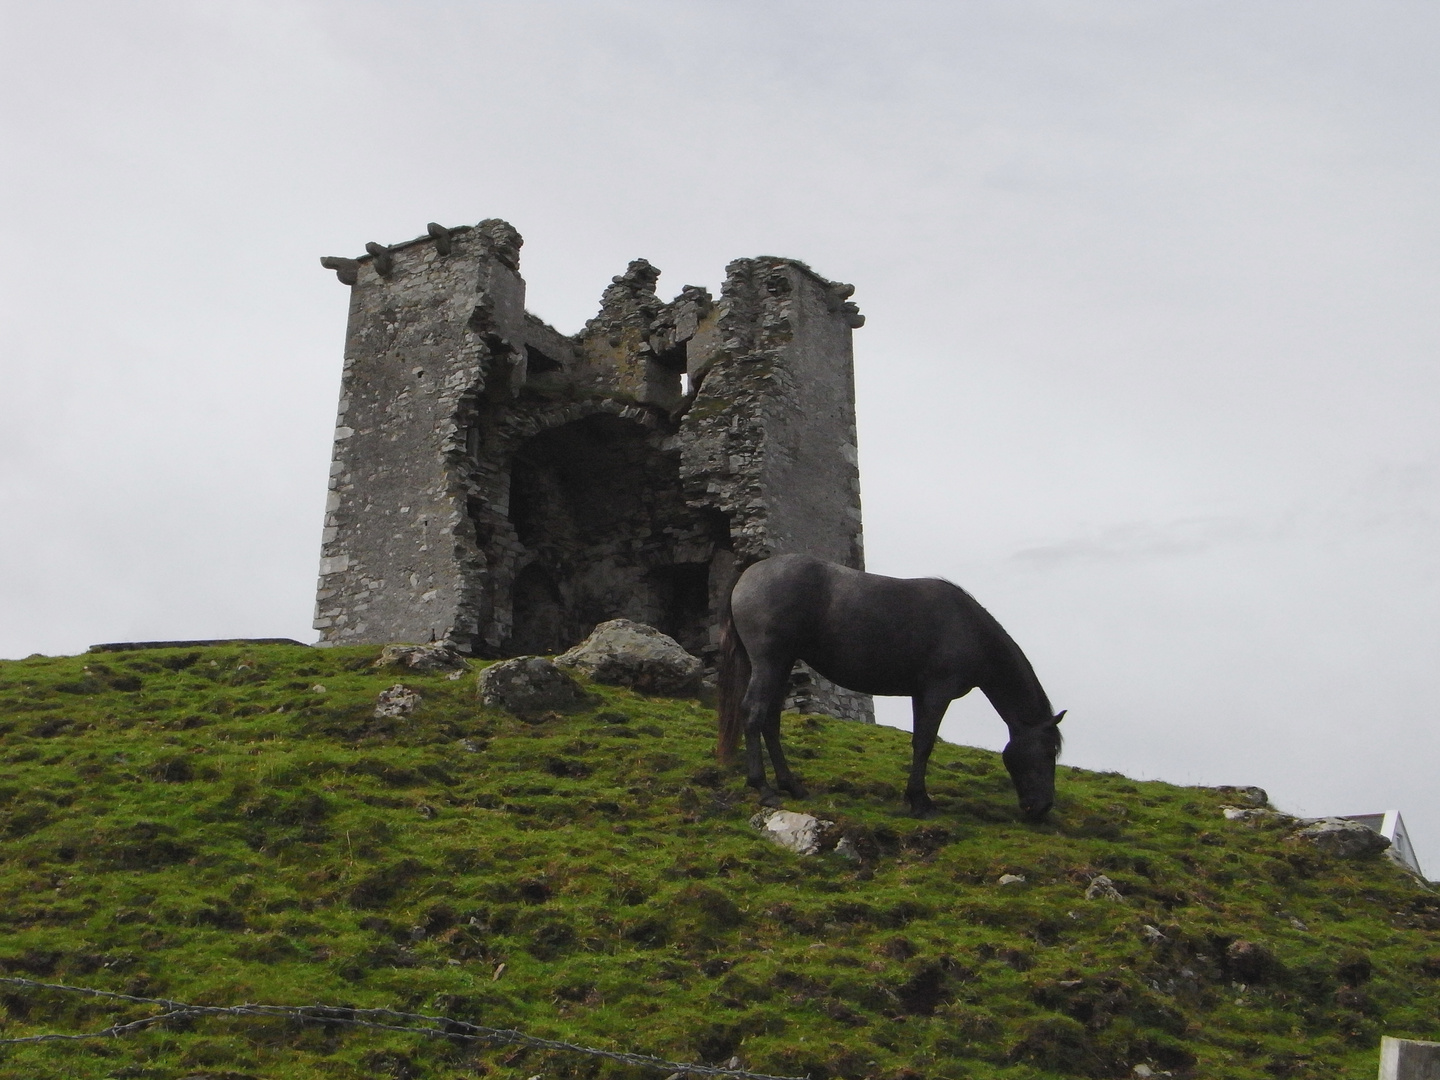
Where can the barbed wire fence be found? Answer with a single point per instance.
(390, 1020)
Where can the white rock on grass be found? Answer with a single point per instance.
(625, 653)
(1010, 879)
(800, 833)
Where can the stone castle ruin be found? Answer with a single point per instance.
(503, 488)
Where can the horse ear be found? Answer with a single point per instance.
(1060, 715)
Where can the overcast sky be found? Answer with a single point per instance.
(1152, 290)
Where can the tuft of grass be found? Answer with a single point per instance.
(234, 824)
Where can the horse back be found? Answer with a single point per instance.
(867, 632)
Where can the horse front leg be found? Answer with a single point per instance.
(763, 699)
(785, 780)
(927, 709)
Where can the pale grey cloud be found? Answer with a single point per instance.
(1140, 540)
(1390, 499)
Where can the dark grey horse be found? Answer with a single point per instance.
(918, 637)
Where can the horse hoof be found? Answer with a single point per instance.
(771, 799)
(921, 811)
(795, 788)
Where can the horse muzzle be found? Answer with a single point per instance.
(1035, 813)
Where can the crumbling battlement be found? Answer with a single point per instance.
(503, 487)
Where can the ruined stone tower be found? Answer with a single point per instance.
(502, 487)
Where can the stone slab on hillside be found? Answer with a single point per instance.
(625, 653)
(433, 657)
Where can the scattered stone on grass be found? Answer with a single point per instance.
(436, 656)
(1102, 888)
(395, 702)
(1252, 814)
(1342, 837)
(800, 833)
(1010, 879)
(529, 685)
(1152, 934)
(625, 653)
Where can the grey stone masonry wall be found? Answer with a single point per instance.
(503, 487)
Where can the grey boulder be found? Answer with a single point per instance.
(625, 653)
(1342, 837)
(528, 685)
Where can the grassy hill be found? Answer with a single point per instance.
(232, 824)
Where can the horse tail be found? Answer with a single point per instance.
(733, 678)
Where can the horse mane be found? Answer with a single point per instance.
(1014, 659)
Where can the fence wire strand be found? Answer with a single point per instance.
(441, 1027)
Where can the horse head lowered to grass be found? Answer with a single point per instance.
(918, 637)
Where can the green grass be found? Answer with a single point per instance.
(211, 825)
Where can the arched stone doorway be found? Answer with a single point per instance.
(596, 504)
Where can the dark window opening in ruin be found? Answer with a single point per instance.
(537, 363)
(599, 510)
(673, 363)
(717, 526)
(675, 358)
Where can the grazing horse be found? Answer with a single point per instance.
(918, 637)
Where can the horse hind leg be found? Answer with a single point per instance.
(763, 699)
(785, 780)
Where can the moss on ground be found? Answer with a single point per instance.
(233, 824)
